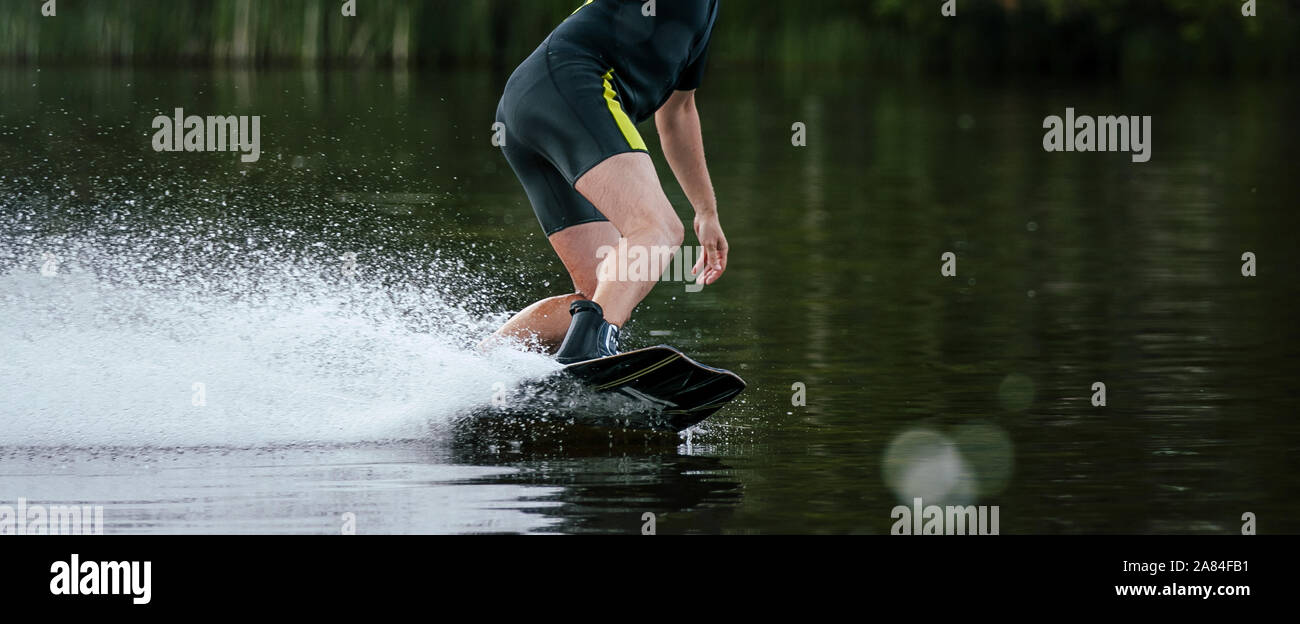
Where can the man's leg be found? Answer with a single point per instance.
(547, 320)
(626, 190)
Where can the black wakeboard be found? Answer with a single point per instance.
(681, 391)
(653, 389)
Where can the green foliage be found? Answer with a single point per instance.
(1037, 36)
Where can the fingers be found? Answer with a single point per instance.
(702, 270)
(710, 260)
(717, 259)
(713, 259)
(711, 254)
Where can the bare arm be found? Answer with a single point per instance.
(683, 144)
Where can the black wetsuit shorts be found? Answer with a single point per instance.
(562, 117)
(576, 100)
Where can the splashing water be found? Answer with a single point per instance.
(221, 333)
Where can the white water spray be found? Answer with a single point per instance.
(170, 339)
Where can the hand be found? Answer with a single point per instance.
(714, 259)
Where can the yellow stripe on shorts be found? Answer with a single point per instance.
(625, 124)
(580, 8)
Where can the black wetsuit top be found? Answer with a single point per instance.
(652, 56)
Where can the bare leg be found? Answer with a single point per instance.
(547, 320)
(626, 190)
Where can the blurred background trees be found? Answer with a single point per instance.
(1074, 37)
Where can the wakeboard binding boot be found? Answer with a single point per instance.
(590, 335)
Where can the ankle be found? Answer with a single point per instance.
(590, 336)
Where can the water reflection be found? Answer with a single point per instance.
(601, 490)
(968, 386)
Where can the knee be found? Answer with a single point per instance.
(674, 233)
(668, 232)
(665, 231)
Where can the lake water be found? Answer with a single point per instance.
(202, 345)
